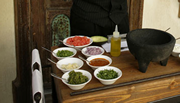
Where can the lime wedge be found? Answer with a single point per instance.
(99, 39)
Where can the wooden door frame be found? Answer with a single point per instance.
(135, 14)
(24, 43)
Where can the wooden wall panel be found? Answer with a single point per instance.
(22, 87)
(135, 14)
(58, 3)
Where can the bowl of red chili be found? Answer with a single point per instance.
(77, 41)
(98, 61)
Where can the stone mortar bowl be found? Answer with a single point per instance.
(150, 45)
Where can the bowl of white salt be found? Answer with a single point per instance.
(176, 50)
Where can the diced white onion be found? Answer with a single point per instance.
(93, 51)
(69, 66)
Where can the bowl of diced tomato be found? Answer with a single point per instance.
(77, 41)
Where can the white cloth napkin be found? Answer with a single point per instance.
(107, 46)
(37, 78)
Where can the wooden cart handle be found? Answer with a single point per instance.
(179, 9)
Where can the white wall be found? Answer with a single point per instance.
(7, 50)
(162, 14)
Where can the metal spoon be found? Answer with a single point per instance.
(72, 45)
(83, 58)
(52, 61)
(167, 29)
(177, 38)
(48, 50)
(54, 75)
(61, 41)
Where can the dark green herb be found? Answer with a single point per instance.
(64, 53)
(107, 74)
(77, 78)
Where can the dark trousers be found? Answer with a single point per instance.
(81, 26)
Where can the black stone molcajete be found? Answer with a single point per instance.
(150, 45)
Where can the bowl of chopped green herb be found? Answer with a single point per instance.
(64, 52)
(108, 74)
(76, 79)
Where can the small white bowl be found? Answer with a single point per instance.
(70, 60)
(176, 50)
(93, 51)
(98, 56)
(80, 47)
(77, 86)
(64, 48)
(108, 81)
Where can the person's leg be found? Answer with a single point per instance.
(123, 27)
(108, 29)
(80, 26)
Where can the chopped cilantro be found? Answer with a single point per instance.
(77, 78)
(64, 53)
(107, 74)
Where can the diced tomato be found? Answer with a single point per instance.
(78, 41)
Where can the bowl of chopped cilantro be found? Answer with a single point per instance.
(64, 52)
(108, 74)
(77, 79)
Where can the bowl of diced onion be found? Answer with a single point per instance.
(64, 52)
(70, 63)
(92, 50)
(78, 41)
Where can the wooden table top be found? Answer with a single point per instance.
(145, 91)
